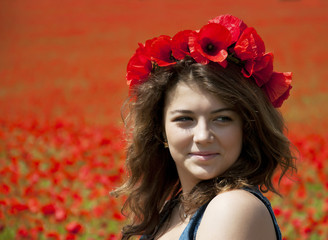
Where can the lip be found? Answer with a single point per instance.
(204, 155)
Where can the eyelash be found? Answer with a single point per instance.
(185, 118)
(224, 119)
(182, 119)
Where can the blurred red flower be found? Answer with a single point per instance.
(33, 205)
(52, 236)
(105, 141)
(60, 214)
(70, 237)
(23, 233)
(48, 209)
(18, 207)
(112, 237)
(74, 227)
(118, 216)
(4, 188)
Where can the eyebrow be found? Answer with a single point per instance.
(190, 112)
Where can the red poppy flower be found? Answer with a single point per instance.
(139, 66)
(18, 207)
(33, 205)
(60, 215)
(53, 236)
(261, 69)
(4, 189)
(212, 42)
(250, 45)
(148, 45)
(23, 233)
(48, 209)
(278, 88)
(118, 216)
(180, 46)
(74, 227)
(105, 141)
(112, 237)
(232, 23)
(3, 203)
(70, 237)
(197, 56)
(161, 51)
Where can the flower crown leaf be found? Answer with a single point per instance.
(224, 38)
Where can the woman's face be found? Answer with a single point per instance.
(204, 134)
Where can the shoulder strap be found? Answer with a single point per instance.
(190, 231)
(256, 192)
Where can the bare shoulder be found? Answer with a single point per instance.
(238, 215)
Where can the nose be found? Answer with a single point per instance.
(202, 133)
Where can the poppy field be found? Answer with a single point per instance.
(62, 82)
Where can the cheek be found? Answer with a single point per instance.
(238, 143)
(233, 142)
(178, 140)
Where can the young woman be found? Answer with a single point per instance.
(204, 135)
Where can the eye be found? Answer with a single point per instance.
(182, 119)
(223, 119)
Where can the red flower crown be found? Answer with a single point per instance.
(225, 38)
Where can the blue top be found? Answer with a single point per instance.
(190, 231)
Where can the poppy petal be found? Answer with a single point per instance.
(194, 52)
(180, 47)
(249, 45)
(278, 87)
(263, 69)
(232, 23)
(139, 66)
(161, 51)
(212, 41)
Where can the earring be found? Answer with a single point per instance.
(166, 145)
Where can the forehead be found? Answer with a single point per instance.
(191, 95)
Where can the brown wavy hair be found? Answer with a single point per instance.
(152, 175)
